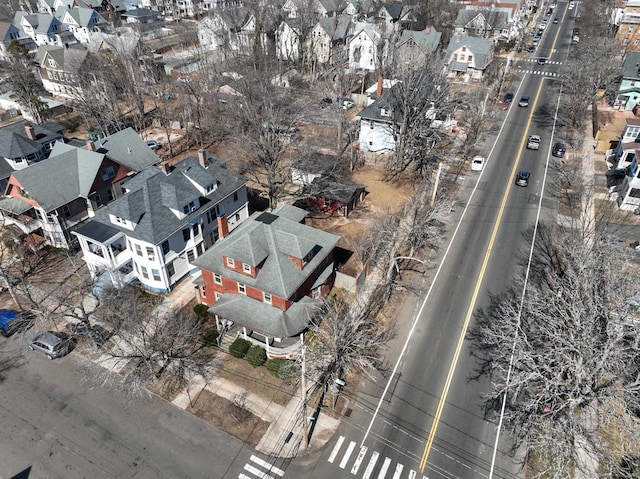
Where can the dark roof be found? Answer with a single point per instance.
(334, 188)
(97, 231)
(394, 9)
(152, 195)
(15, 144)
(317, 163)
(127, 148)
(631, 66)
(387, 101)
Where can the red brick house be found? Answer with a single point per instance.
(268, 278)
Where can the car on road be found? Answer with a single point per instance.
(477, 163)
(508, 99)
(531, 48)
(542, 61)
(555, 21)
(523, 178)
(533, 143)
(12, 322)
(524, 101)
(93, 332)
(53, 344)
(558, 150)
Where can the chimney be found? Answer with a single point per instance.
(91, 146)
(427, 30)
(379, 90)
(223, 225)
(165, 167)
(202, 158)
(29, 132)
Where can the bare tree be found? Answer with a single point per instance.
(571, 379)
(25, 87)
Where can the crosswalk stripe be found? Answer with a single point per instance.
(257, 472)
(356, 465)
(371, 465)
(412, 474)
(347, 455)
(336, 448)
(267, 466)
(399, 468)
(384, 468)
(243, 476)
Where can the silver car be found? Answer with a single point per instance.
(52, 344)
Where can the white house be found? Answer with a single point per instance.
(624, 180)
(43, 29)
(468, 57)
(82, 22)
(167, 218)
(367, 48)
(377, 124)
(230, 31)
(288, 39)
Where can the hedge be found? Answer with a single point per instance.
(256, 356)
(239, 348)
(273, 365)
(210, 337)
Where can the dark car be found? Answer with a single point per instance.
(95, 333)
(53, 344)
(558, 150)
(555, 20)
(12, 322)
(531, 48)
(523, 178)
(508, 99)
(542, 61)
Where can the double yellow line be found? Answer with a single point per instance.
(474, 297)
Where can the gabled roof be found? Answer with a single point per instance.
(40, 22)
(336, 27)
(82, 16)
(266, 240)
(152, 194)
(480, 47)
(128, 149)
(334, 188)
(493, 18)
(69, 58)
(428, 39)
(68, 174)
(6, 29)
(15, 144)
(387, 101)
(631, 66)
(394, 9)
(140, 13)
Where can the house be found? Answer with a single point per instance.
(326, 41)
(268, 277)
(367, 48)
(23, 143)
(82, 22)
(415, 47)
(8, 33)
(628, 22)
(59, 68)
(232, 31)
(60, 193)
(483, 22)
(359, 9)
(377, 124)
(140, 15)
(312, 165)
(310, 8)
(43, 29)
(168, 217)
(334, 195)
(394, 16)
(289, 36)
(629, 89)
(468, 57)
(626, 188)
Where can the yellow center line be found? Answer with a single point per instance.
(474, 297)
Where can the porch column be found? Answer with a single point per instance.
(244, 332)
(266, 344)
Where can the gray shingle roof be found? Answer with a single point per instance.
(128, 149)
(15, 144)
(148, 202)
(427, 39)
(68, 59)
(631, 65)
(334, 188)
(479, 47)
(276, 236)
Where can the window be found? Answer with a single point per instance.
(246, 268)
(235, 196)
(200, 248)
(165, 247)
(138, 250)
(186, 234)
(66, 211)
(218, 296)
(171, 270)
(210, 216)
(203, 291)
(151, 254)
(217, 278)
(210, 188)
(98, 201)
(108, 173)
(156, 274)
(190, 255)
(189, 208)
(470, 58)
(145, 273)
(109, 195)
(230, 262)
(267, 297)
(242, 288)
(634, 193)
(196, 229)
(237, 216)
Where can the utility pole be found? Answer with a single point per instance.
(435, 184)
(303, 386)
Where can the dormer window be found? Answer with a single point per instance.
(108, 173)
(267, 298)
(230, 262)
(209, 188)
(190, 208)
(384, 112)
(246, 268)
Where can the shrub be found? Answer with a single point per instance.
(273, 365)
(256, 356)
(239, 348)
(290, 369)
(210, 337)
(201, 310)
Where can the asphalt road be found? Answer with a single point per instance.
(430, 421)
(53, 427)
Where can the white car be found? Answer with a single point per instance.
(477, 163)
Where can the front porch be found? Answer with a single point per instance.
(280, 348)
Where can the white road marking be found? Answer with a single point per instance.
(371, 465)
(356, 465)
(267, 466)
(347, 454)
(336, 448)
(257, 472)
(399, 468)
(384, 468)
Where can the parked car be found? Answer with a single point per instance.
(153, 144)
(524, 101)
(53, 344)
(12, 322)
(558, 150)
(347, 104)
(523, 178)
(508, 99)
(533, 143)
(477, 163)
(94, 333)
(531, 48)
